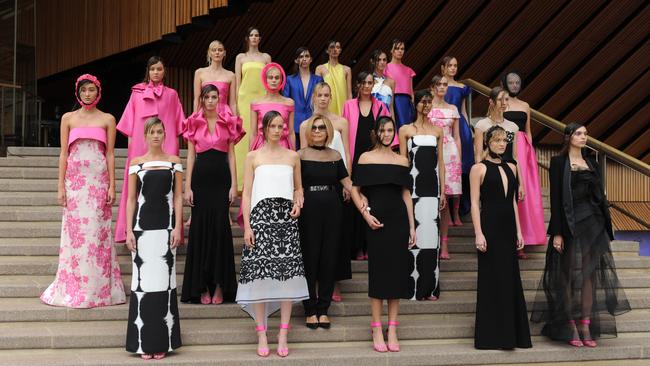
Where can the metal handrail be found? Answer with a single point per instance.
(558, 126)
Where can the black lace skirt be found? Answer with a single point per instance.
(581, 282)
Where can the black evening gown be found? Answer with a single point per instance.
(153, 324)
(501, 316)
(320, 230)
(587, 258)
(388, 253)
(210, 257)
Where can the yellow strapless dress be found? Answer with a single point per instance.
(336, 79)
(251, 88)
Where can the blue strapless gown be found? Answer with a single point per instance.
(456, 95)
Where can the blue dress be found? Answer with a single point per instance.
(302, 102)
(455, 95)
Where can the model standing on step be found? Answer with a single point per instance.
(421, 143)
(579, 284)
(403, 76)
(457, 94)
(148, 99)
(154, 231)
(248, 67)
(383, 177)
(338, 76)
(300, 88)
(501, 316)
(272, 274)
(362, 113)
(88, 274)
(531, 209)
(445, 116)
(216, 75)
(384, 88)
(210, 188)
(321, 219)
(321, 98)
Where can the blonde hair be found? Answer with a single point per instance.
(212, 44)
(328, 128)
(152, 121)
(317, 88)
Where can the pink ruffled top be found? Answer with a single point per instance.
(403, 76)
(261, 109)
(228, 129)
(95, 133)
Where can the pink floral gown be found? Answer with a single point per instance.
(444, 118)
(89, 274)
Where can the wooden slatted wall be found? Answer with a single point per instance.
(75, 32)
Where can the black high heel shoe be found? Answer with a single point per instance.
(322, 324)
(312, 325)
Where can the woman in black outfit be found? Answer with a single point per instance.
(383, 177)
(501, 316)
(322, 169)
(579, 281)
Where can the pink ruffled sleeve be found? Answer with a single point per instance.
(188, 129)
(233, 125)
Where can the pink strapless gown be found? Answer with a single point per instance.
(261, 109)
(531, 210)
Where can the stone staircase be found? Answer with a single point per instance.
(431, 333)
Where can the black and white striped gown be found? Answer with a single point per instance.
(154, 325)
(425, 273)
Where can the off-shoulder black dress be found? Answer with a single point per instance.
(388, 253)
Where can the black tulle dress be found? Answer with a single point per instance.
(501, 316)
(585, 265)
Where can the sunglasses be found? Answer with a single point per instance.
(315, 128)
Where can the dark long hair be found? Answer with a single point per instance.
(374, 58)
(569, 130)
(361, 77)
(266, 120)
(374, 134)
(205, 90)
(417, 97)
(152, 61)
(299, 51)
(248, 33)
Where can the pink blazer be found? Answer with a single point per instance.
(351, 113)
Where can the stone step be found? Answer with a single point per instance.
(37, 185)
(83, 334)
(50, 246)
(627, 349)
(10, 229)
(25, 286)
(25, 172)
(53, 213)
(47, 265)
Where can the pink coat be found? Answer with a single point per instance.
(147, 101)
(351, 113)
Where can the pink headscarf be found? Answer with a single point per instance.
(93, 80)
(263, 75)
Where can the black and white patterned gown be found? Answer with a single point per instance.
(272, 270)
(154, 325)
(425, 274)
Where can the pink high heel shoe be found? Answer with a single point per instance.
(336, 295)
(393, 347)
(377, 347)
(445, 255)
(575, 342)
(159, 356)
(588, 342)
(284, 351)
(262, 351)
(457, 222)
(205, 298)
(218, 297)
(146, 356)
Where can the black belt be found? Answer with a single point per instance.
(321, 188)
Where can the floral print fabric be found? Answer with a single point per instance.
(444, 118)
(88, 274)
